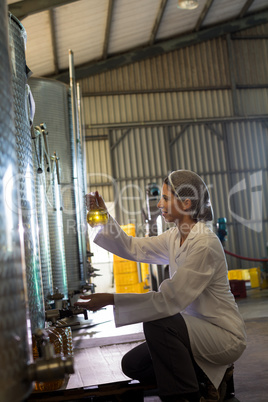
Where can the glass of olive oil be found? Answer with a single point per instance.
(97, 216)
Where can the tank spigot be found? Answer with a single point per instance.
(48, 367)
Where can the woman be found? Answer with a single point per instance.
(192, 325)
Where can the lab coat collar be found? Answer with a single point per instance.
(198, 228)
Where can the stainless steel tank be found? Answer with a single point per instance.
(14, 341)
(17, 39)
(52, 102)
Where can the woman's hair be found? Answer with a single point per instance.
(187, 184)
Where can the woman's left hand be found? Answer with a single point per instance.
(95, 301)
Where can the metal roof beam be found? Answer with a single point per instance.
(203, 15)
(107, 29)
(22, 9)
(166, 46)
(245, 8)
(53, 40)
(158, 19)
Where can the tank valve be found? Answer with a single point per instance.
(55, 314)
(49, 366)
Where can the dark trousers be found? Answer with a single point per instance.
(165, 358)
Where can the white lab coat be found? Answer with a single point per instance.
(198, 288)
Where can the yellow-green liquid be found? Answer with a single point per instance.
(97, 217)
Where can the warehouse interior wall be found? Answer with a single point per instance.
(204, 108)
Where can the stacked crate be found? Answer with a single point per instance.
(252, 274)
(126, 276)
(239, 277)
(237, 282)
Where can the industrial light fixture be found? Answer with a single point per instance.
(187, 4)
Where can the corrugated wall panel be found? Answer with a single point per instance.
(251, 56)
(255, 31)
(248, 150)
(140, 154)
(99, 173)
(249, 216)
(157, 107)
(202, 65)
(253, 101)
(255, 53)
(201, 147)
(248, 145)
(139, 158)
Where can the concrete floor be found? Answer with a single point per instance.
(251, 370)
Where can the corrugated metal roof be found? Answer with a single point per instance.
(223, 10)
(131, 24)
(101, 30)
(258, 5)
(176, 21)
(80, 27)
(38, 50)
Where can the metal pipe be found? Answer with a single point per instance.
(174, 122)
(75, 159)
(83, 181)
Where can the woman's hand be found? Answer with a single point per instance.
(94, 201)
(96, 301)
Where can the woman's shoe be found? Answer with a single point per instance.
(211, 394)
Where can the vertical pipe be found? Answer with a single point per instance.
(83, 183)
(76, 157)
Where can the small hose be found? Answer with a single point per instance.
(246, 258)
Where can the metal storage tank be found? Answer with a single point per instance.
(17, 41)
(52, 104)
(14, 342)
